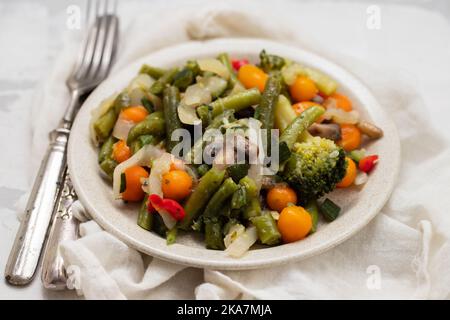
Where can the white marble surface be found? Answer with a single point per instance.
(31, 35)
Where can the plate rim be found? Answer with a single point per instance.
(220, 262)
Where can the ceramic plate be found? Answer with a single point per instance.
(359, 205)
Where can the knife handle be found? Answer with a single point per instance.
(64, 227)
(24, 256)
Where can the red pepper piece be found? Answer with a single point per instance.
(168, 205)
(366, 164)
(237, 64)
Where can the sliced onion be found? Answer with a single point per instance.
(342, 117)
(196, 95)
(275, 215)
(142, 81)
(159, 167)
(122, 128)
(238, 87)
(214, 65)
(97, 113)
(234, 232)
(136, 96)
(242, 243)
(141, 158)
(167, 218)
(361, 178)
(187, 114)
(215, 85)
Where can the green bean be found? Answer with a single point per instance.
(166, 79)
(267, 229)
(232, 222)
(171, 235)
(270, 62)
(250, 186)
(236, 102)
(253, 209)
(267, 105)
(299, 125)
(122, 101)
(158, 225)
(217, 201)
(313, 210)
(225, 59)
(186, 76)
(204, 113)
(108, 165)
(202, 169)
(198, 199)
(106, 149)
(105, 124)
(213, 236)
(171, 100)
(239, 198)
(153, 72)
(145, 219)
(143, 140)
(153, 124)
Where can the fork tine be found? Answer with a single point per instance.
(110, 47)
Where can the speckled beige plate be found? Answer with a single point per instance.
(359, 205)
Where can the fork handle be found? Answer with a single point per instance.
(25, 253)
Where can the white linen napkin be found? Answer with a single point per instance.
(403, 253)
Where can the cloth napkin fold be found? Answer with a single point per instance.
(403, 253)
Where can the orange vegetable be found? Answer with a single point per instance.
(294, 223)
(299, 107)
(350, 137)
(350, 174)
(342, 102)
(121, 151)
(252, 77)
(133, 190)
(134, 114)
(176, 184)
(303, 89)
(279, 197)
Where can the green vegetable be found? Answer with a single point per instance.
(284, 113)
(267, 229)
(104, 125)
(267, 105)
(143, 140)
(171, 100)
(186, 76)
(237, 171)
(122, 101)
(316, 164)
(253, 209)
(236, 101)
(239, 198)
(123, 182)
(202, 169)
(313, 210)
(270, 62)
(357, 155)
(153, 72)
(171, 235)
(250, 187)
(329, 209)
(198, 199)
(153, 124)
(213, 236)
(217, 201)
(106, 149)
(108, 165)
(158, 225)
(147, 104)
(225, 59)
(166, 79)
(145, 218)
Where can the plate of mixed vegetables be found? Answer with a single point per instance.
(233, 154)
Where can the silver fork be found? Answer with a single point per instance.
(92, 67)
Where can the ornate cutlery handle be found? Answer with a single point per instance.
(24, 257)
(64, 227)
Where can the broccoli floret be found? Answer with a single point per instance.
(316, 164)
(315, 167)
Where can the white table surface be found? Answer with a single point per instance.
(31, 32)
